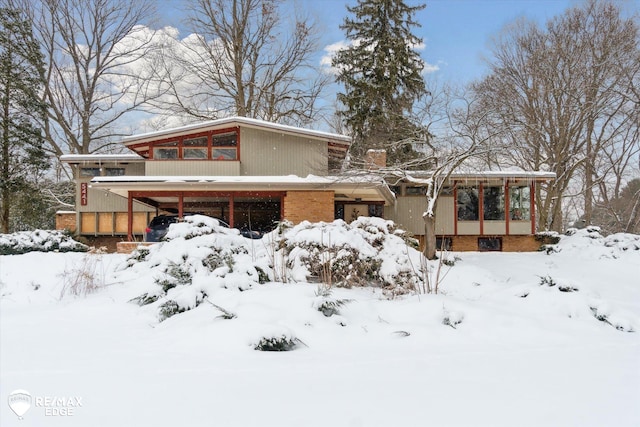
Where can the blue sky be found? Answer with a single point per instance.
(456, 32)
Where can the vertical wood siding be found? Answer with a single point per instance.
(265, 153)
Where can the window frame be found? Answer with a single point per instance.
(461, 190)
(181, 145)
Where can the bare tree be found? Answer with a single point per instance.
(96, 74)
(245, 57)
(460, 137)
(563, 91)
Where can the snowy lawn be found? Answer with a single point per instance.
(501, 345)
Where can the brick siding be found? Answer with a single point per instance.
(311, 206)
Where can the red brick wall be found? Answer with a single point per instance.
(66, 221)
(311, 206)
(509, 243)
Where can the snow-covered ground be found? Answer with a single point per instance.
(512, 339)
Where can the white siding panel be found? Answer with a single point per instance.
(468, 227)
(192, 168)
(520, 227)
(444, 216)
(494, 227)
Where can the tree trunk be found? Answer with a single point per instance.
(429, 237)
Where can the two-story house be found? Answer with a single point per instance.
(252, 174)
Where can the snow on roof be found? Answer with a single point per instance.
(243, 121)
(372, 186)
(78, 158)
(236, 179)
(489, 174)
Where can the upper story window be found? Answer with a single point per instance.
(114, 171)
(215, 145)
(225, 147)
(415, 191)
(166, 150)
(90, 172)
(520, 203)
(468, 204)
(195, 148)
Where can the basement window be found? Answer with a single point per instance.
(489, 244)
(443, 243)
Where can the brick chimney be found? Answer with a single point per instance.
(375, 159)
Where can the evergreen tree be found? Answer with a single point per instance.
(22, 156)
(382, 77)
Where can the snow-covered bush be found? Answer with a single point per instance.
(366, 252)
(197, 256)
(39, 241)
(278, 343)
(610, 246)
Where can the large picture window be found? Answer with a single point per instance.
(468, 207)
(204, 146)
(520, 203)
(493, 203)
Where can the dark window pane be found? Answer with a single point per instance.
(415, 191)
(520, 203)
(114, 172)
(493, 203)
(489, 244)
(194, 153)
(224, 154)
(226, 140)
(443, 243)
(376, 210)
(468, 206)
(195, 142)
(89, 171)
(165, 153)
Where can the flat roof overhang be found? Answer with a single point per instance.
(347, 188)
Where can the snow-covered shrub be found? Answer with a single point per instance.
(39, 241)
(175, 275)
(612, 246)
(145, 299)
(602, 312)
(452, 318)
(138, 255)
(277, 343)
(547, 281)
(548, 237)
(168, 309)
(326, 304)
(367, 252)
